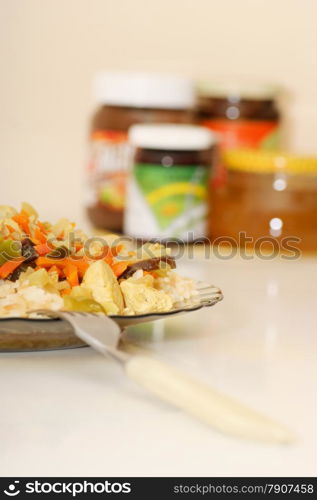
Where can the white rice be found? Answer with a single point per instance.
(18, 300)
(179, 288)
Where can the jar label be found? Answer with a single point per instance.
(167, 202)
(107, 169)
(236, 134)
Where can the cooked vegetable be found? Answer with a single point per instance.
(39, 278)
(86, 305)
(28, 209)
(8, 267)
(119, 268)
(41, 226)
(23, 221)
(9, 250)
(58, 253)
(141, 297)
(7, 212)
(39, 237)
(45, 261)
(148, 265)
(25, 256)
(100, 279)
(20, 270)
(71, 273)
(28, 251)
(43, 249)
(64, 267)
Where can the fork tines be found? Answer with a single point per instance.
(209, 293)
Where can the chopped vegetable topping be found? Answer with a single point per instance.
(56, 266)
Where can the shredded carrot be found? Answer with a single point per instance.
(47, 262)
(23, 220)
(119, 268)
(41, 226)
(81, 264)
(66, 291)
(39, 237)
(71, 274)
(9, 266)
(42, 248)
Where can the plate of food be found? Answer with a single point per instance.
(57, 267)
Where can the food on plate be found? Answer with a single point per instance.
(102, 283)
(153, 264)
(141, 296)
(57, 267)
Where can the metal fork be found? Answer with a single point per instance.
(172, 386)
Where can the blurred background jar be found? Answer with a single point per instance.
(168, 184)
(267, 194)
(124, 99)
(243, 115)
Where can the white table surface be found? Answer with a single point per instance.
(74, 413)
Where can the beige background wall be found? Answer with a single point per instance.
(50, 50)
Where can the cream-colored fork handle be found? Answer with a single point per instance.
(202, 402)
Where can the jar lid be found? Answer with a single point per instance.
(171, 137)
(238, 89)
(265, 162)
(144, 90)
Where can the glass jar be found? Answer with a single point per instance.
(244, 116)
(167, 189)
(267, 195)
(125, 99)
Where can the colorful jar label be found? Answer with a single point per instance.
(258, 134)
(107, 169)
(167, 202)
